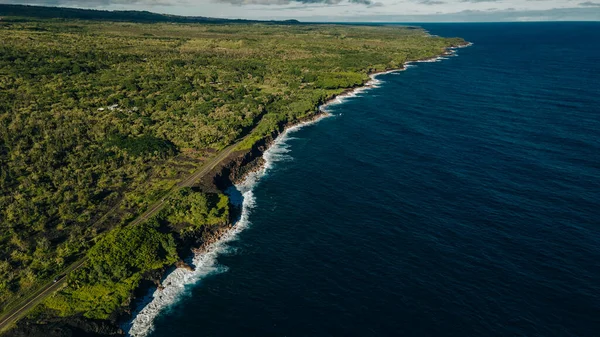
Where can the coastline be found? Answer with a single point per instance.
(203, 260)
(373, 82)
(243, 169)
(241, 172)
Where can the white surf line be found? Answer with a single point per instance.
(177, 284)
(375, 83)
(372, 83)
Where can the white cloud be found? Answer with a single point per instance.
(352, 10)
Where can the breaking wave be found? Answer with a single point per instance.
(375, 82)
(178, 283)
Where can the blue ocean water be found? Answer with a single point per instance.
(459, 198)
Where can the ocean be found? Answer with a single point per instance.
(456, 198)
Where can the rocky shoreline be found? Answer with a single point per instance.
(232, 170)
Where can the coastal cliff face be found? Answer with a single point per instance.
(240, 163)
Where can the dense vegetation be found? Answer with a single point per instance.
(103, 118)
(116, 264)
(118, 261)
(195, 210)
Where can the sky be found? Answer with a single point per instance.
(354, 10)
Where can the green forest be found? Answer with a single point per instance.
(100, 119)
(118, 261)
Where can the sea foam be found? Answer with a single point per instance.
(179, 282)
(374, 82)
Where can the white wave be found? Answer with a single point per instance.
(434, 59)
(177, 284)
(453, 51)
(374, 82)
(469, 44)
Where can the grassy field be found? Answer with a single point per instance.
(97, 116)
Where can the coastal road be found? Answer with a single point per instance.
(28, 303)
(41, 293)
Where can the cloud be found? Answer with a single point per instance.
(369, 3)
(431, 2)
(97, 3)
(478, 1)
(556, 14)
(151, 3)
(354, 10)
